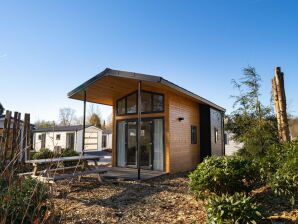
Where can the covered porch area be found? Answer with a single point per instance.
(138, 145)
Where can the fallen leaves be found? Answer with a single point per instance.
(162, 200)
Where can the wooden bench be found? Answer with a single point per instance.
(50, 175)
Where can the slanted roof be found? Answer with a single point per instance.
(62, 128)
(107, 132)
(111, 84)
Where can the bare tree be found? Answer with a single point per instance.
(94, 116)
(109, 122)
(95, 120)
(66, 116)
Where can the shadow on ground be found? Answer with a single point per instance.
(277, 209)
(130, 192)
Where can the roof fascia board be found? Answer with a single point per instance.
(133, 75)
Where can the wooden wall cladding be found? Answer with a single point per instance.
(184, 156)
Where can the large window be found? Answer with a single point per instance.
(146, 102)
(151, 103)
(121, 106)
(157, 103)
(131, 101)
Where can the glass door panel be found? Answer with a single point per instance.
(158, 162)
(131, 150)
(121, 143)
(146, 144)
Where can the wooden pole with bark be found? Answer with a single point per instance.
(280, 103)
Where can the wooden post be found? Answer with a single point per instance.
(84, 124)
(6, 134)
(28, 137)
(279, 95)
(19, 136)
(139, 130)
(14, 135)
(276, 104)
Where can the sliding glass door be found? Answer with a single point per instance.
(131, 142)
(151, 143)
(146, 144)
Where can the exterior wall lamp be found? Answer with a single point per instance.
(180, 119)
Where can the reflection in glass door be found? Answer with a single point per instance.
(146, 144)
(151, 143)
(131, 150)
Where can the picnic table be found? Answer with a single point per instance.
(50, 174)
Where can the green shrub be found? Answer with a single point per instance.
(26, 199)
(285, 180)
(236, 208)
(68, 153)
(43, 153)
(270, 162)
(223, 175)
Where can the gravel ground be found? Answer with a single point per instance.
(161, 200)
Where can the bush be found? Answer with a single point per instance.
(223, 175)
(270, 162)
(26, 199)
(67, 153)
(43, 153)
(237, 208)
(285, 180)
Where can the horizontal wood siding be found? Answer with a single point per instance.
(184, 156)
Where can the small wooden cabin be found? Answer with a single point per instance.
(171, 127)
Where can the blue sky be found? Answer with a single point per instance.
(47, 48)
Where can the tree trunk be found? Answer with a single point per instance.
(280, 105)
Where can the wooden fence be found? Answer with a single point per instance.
(15, 139)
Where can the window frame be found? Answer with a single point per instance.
(104, 140)
(137, 100)
(215, 135)
(57, 137)
(195, 135)
(226, 139)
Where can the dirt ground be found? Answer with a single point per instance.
(161, 200)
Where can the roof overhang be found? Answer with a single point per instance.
(111, 84)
